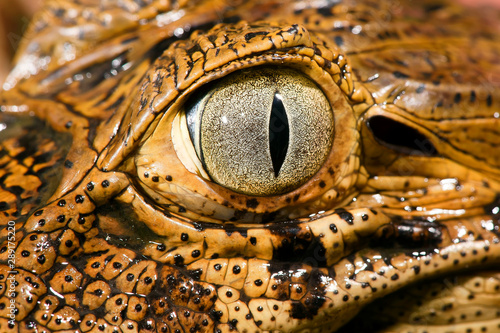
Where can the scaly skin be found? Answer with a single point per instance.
(108, 230)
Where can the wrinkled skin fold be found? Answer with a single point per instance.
(109, 223)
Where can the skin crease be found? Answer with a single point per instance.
(21, 10)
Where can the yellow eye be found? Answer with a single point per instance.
(262, 131)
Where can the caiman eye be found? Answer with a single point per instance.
(261, 131)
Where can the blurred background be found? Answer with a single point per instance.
(16, 14)
(14, 19)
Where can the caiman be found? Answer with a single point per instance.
(252, 166)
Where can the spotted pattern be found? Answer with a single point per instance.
(104, 229)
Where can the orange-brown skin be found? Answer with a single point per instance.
(113, 233)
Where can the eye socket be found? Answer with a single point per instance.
(262, 131)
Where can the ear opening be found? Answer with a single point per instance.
(400, 137)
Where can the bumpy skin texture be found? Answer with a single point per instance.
(107, 231)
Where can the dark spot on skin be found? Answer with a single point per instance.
(258, 282)
(41, 222)
(68, 278)
(119, 301)
(253, 241)
(333, 228)
(68, 164)
(195, 253)
(236, 269)
(322, 184)
(399, 75)
(447, 307)
(252, 203)
(229, 294)
(96, 264)
(196, 274)
(345, 215)
(184, 237)
(252, 35)
(394, 277)
(155, 179)
(79, 198)
(217, 267)
(161, 247)
(61, 218)
(25, 253)
(364, 217)
(105, 183)
(179, 260)
(472, 96)
(117, 265)
(61, 203)
(338, 40)
(168, 178)
(325, 11)
(41, 259)
(146, 174)
(130, 277)
(33, 237)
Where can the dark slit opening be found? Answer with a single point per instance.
(400, 137)
(279, 132)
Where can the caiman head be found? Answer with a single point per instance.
(254, 167)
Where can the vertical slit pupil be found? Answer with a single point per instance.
(279, 133)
